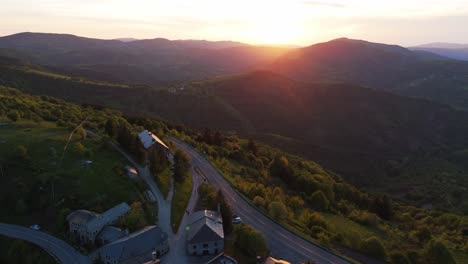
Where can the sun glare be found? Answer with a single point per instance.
(277, 24)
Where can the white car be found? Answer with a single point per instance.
(236, 219)
(35, 227)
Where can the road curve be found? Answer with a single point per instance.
(283, 243)
(54, 246)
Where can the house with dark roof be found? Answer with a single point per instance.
(110, 234)
(86, 225)
(138, 247)
(205, 235)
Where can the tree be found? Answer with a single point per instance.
(226, 213)
(13, 115)
(157, 160)
(111, 127)
(250, 241)
(218, 139)
(296, 203)
(280, 168)
(278, 211)
(252, 146)
(382, 206)
(181, 165)
(81, 132)
(423, 234)
(374, 247)
(259, 201)
(79, 149)
(437, 252)
(135, 219)
(319, 201)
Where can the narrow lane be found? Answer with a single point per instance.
(282, 242)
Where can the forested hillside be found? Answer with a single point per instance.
(410, 148)
(380, 66)
(317, 203)
(297, 192)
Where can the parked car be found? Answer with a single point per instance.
(236, 219)
(35, 227)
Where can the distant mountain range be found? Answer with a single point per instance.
(126, 39)
(151, 61)
(449, 50)
(442, 45)
(379, 66)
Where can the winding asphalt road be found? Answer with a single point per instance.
(283, 243)
(54, 246)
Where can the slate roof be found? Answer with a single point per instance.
(108, 216)
(81, 217)
(111, 233)
(135, 244)
(148, 139)
(206, 226)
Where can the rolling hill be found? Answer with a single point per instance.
(379, 140)
(151, 61)
(380, 66)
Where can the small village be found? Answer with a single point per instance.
(204, 234)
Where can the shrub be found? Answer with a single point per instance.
(278, 211)
(259, 201)
(79, 149)
(13, 115)
(364, 217)
(251, 241)
(436, 252)
(374, 247)
(399, 258)
(319, 201)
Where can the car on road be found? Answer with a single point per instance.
(35, 227)
(236, 219)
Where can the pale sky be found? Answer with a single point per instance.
(298, 22)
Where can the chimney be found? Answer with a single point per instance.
(219, 208)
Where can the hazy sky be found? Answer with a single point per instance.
(301, 22)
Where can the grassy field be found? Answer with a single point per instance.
(163, 180)
(182, 193)
(41, 187)
(24, 252)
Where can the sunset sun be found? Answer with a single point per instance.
(246, 131)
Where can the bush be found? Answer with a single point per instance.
(250, 241)
(319, 201)
(79, 149)
(13, 115)
(364, 217)
(259, 202)
(436, 252)
(399, 258)
(181, 165)
(374, 247)
(278, 211)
